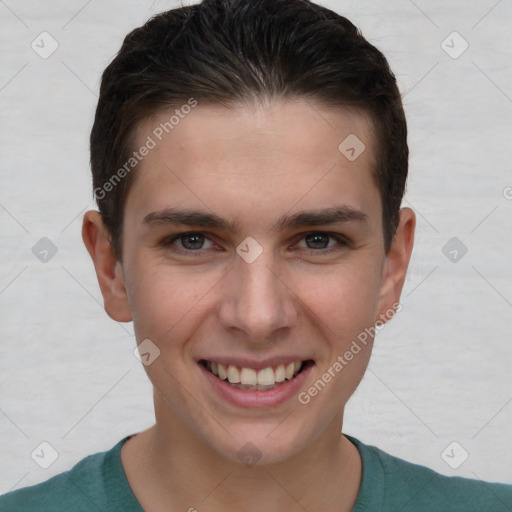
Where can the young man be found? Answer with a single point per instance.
(249, 160)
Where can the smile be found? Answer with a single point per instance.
(252, 379)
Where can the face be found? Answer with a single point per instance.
(253, 252)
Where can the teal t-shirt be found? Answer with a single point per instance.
(98, 483)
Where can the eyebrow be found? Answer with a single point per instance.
(188, 217)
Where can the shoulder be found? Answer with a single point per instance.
(400, 485)
(82, 488)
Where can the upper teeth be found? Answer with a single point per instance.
(249, 376)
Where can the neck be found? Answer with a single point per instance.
(168, 464)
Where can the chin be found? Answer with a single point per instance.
(264, 444)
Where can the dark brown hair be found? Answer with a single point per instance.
(232, 52)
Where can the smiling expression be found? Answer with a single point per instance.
(253, 256)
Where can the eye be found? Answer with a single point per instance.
(196, 243)
(318, 241)
(192, 241)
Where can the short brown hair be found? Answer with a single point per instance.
(231, 52)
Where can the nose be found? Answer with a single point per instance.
(257, 304)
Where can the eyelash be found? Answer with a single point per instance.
(340, 239)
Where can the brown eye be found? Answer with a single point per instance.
(192, 241)
(322, 243)
(317, 240)
(188, 242)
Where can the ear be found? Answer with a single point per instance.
(395, 265)
(109, 271)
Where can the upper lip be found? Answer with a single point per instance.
(242, 362)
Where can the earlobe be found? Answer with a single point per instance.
(108, 270)
(396, 264)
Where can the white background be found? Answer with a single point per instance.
(440, 370)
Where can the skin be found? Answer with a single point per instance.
(252, 165)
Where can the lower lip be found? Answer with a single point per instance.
(253, 399)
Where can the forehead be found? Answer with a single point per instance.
(255, 158)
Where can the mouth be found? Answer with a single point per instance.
(252, 379)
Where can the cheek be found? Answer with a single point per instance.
(344, 308)
(164, 301)
(344, 299)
